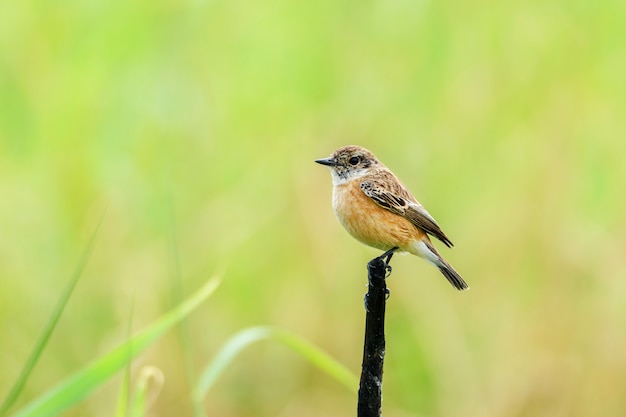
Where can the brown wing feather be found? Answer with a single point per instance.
(388, 193)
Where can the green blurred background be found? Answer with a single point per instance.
(192, 127)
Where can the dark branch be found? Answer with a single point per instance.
(370, 388)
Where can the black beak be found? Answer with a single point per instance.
(326, 161)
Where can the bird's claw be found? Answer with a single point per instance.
(388, 270)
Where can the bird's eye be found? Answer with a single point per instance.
(354, 160)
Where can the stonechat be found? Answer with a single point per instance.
(379, 211)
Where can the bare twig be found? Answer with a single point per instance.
(370, 388)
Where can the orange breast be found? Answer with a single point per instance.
(370, 223)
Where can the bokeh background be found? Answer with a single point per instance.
(190, 128)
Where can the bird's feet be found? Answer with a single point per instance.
(388, 254)
(388, 270)
(386, 258)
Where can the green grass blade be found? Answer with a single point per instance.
(225, 356)
(246, 337)
(150, 378)
(47, 331)
(75, 388)
(318, 358)
(123, 395)
(177, 293)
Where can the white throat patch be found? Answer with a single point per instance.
(338, 179)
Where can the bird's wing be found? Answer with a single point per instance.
(399, 201)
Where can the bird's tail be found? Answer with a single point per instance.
(452, 276)
(426, 250)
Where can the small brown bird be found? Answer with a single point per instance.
(378, 210)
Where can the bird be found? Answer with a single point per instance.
(378, 210)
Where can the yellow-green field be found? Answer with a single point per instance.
(190, 128)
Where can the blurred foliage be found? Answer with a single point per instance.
(192, 125)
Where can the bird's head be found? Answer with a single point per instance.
(349, 162)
